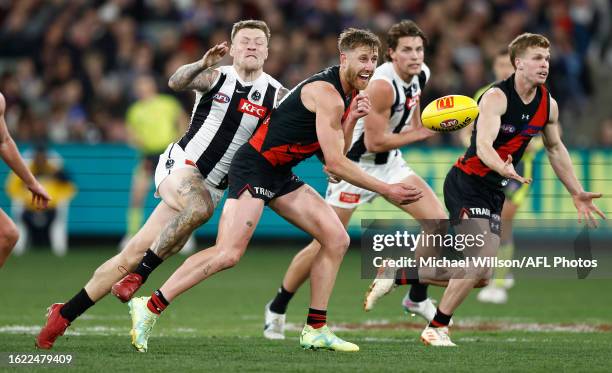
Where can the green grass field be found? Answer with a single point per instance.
(547, 324)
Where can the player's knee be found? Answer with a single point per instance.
(230, 258)
(9, 234)
(438, 225)
(200, 213)
(482, 275)
(338, 243)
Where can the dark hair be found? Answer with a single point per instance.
(352, 38)
(400, 30)
(251, 23)
(519, 45)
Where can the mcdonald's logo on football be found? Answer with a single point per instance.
(445, 103)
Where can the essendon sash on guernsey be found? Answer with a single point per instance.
(287, 153)
(474, 166)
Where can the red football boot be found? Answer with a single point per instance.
(127, 287)
(56, 325)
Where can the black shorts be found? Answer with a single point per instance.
(251, 172)
(465, 195)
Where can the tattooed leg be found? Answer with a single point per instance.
(238, 222)
(127, 260)
(195, 207)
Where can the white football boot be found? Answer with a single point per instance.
(383, 284)
(493, 294)
(274, 324)
(438, 337)
(425, 309)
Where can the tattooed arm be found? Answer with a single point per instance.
(198, 75)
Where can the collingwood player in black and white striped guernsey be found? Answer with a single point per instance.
(393, 121)
(231, 101)
(223, 119)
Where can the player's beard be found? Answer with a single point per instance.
(355, 80)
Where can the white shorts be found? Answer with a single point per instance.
(348, 196)
(174, 158)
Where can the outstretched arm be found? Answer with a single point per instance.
(492, 107)
(562, 165)
(328, 106)
(10, 154)
(198, 75)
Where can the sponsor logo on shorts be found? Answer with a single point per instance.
(264, 192)
(349, 197)
(495, 223)
(247, 107)
(445, 103)
(480, 211)
(221, 98)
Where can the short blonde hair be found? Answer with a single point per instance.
(519, 45)
(352, 38)
(251, 23)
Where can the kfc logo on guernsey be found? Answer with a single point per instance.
(221, 98)
(445, 103)
(247, 107)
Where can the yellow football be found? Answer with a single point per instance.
(449, 113)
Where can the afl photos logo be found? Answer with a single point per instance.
(445, 103)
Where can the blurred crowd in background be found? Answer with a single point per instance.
(68, 67)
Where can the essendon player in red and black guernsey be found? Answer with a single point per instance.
(511, 113)
(308, 119)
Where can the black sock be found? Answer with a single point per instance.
(76, 306)
(149, 262)
(418, 292)
(281, 301)
(316, 318)
(440, 319)
(407, 276)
